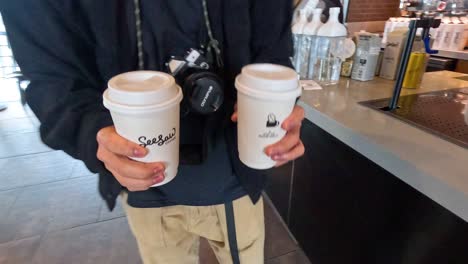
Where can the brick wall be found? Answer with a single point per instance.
(372, 10)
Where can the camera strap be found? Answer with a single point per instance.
(139, 35)
(213, 44)
(231, 230)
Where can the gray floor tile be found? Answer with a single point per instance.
(80, 170)
(9, 90)
(15, 110)
(21, 144)
(19, 251)
(118, 211)
(50, 207)
(277, 239)
(7, 199)
(108, 242)
(296, 257)
(17, 126)
(34, 169)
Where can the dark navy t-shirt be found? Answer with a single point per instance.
(170, 28)
(210, 183)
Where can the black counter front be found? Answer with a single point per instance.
(343, 208)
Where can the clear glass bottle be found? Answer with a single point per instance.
(330, 43)
(328, 65)
(310, 44)
(297, 31)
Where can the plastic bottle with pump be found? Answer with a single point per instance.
(330, 41)
(297, 31)
(309, 44)
(308, 5)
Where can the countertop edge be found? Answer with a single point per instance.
(425, 183)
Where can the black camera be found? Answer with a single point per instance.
(203, 89)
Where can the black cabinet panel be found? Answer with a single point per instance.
(279, 189)
(346, 209)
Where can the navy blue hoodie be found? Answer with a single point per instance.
(69, 49)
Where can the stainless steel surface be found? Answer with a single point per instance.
(440, 64)
(442, 113)
(459, 55)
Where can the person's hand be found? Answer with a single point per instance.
(114, 151)
(290, 147)
(234, 115)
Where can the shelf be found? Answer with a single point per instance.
(459, 55)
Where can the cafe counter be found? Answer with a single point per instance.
(371, 188)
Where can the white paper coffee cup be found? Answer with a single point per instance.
(266, 95)
(145, 108)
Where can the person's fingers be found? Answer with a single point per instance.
(108, 138)
(130, 168)
(234, 115)
(289, 141)
(135, 185)
(294, 120)
(295, 153)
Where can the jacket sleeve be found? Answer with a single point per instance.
(65, 92)
(271, 31)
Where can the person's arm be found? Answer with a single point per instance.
(271, 31)
(56, 52)
(64, 91)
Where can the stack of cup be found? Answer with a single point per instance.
(266, 96)
(145, 108)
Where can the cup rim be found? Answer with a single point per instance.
(138, 109)
(281, 96)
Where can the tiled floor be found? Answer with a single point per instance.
(51, 213)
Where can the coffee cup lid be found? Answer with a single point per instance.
(268, 79)
(142, 89)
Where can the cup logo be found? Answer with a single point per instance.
(159, 140)
(272, 122)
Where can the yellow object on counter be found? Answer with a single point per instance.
(347, 67)
(416, 69)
